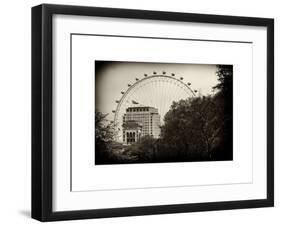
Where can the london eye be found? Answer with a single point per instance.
(158, 90)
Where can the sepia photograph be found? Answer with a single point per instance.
(162, 112)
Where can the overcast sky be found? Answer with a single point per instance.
(113, 77)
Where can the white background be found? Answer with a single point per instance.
(15, 113)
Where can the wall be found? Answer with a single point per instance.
(15, 112)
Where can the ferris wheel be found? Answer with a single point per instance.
(158, 90)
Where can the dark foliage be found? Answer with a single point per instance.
(104, 138)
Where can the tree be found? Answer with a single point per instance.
(225, 78)
(104, 137)
(192, 127)
(224, 98)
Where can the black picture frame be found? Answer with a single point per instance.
(42, 106)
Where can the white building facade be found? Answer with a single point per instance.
(142, 121)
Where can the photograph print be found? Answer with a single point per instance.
(162, 112)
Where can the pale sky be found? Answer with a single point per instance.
(113, 77)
